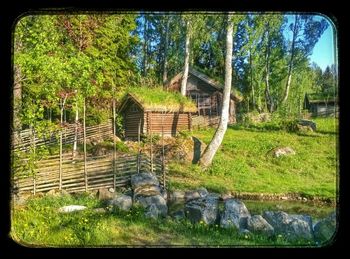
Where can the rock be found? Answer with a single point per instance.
(325, 228)
(121, 201)
(307, 124)
(71, 208)
(180, 214)
(157, 200)
(146, 190)
(257, 224)
(111, 190)
(99, 210)
(152, 211)
(226, 196)
(143, 179)
(235, 214)
(293, 227)
(104, 194)
(202, 209)
(199, 193)
(282, 151)
(176, 195)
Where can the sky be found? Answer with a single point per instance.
(324, 50)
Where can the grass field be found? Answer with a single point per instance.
(242, 163)
(39, 224)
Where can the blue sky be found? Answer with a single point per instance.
(324, 50)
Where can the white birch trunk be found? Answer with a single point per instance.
(215, 143)
(187, 60)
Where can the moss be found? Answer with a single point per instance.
(158, 99)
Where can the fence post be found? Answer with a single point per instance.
(114, 147)
(34, 185)
(139, 152)
(85, 171)
(163, 167)
(60, 165)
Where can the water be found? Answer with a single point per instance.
(255, 207)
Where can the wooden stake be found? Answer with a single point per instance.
(85, 170)
(163, 169)
(114, 147)
(138, 154)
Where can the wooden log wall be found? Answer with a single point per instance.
(172, 122)
(99, 173)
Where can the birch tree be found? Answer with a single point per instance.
(209, 153)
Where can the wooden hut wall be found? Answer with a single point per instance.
(171, 122)
(132, 117)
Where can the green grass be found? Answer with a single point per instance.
(157, 98)
(242, 163)
(39, 224)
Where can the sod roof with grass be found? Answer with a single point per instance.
(156, 99)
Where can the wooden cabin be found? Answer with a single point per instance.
(320, 105)
(206, 93)
(141, 116)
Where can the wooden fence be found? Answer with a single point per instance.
(101, 172)
(23, 139)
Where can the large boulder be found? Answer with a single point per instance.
(257, 224)
(147, 190)
(158, 201)
(325, 228)
(203, 209)
(235, 214)
(282, 151)
(307, 124)
(104, 194)
(121, 201)
(71, 208)
(199, 193)
(292, 227)
(176, 195)
(143, 179)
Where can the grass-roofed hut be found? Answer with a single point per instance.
(321, 105)
(153, 110)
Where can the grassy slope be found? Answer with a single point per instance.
(39, 224)
(241, 164)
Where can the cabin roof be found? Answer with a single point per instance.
(321, 98)
(158, 100)
(213, 83)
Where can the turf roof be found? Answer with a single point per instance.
(156, 99)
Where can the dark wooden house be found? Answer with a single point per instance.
(321, 105)
(206, 93)
(154, 118)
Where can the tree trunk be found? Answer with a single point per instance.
(215, 143)
(268, 97)
(165, 63)
(187, 60)
(251, 78)
(145, 48)
(290, 65)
